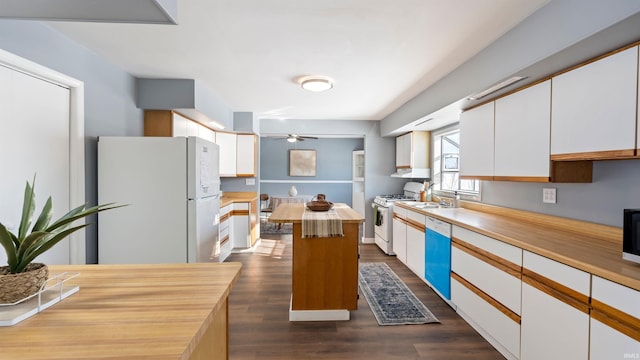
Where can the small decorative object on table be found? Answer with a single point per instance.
(320, 204)
(21, 278)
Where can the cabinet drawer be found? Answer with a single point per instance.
(501, 249)
(488, 275)
(502, 331)
(416, 217)
(616, 317)
(402, 212)
(572, 278)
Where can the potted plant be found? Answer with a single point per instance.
(21, 277)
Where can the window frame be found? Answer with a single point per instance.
(437, 173)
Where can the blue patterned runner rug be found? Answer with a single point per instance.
(390, 299)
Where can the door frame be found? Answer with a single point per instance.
(77, 245)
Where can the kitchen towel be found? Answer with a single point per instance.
(377, 215)
(319, 224)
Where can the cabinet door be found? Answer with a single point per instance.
(241, 225)
(476, 142)
(415, 249)
(400, 239)
(594, 108)
(555, 310)
(522, 125)
(615, 321)
(180, 125)
(403, 151)
(227, 143)
(206, 133)
(246, 155)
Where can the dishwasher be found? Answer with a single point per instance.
(438, 257)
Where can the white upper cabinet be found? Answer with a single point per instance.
(246, 155)
(180, 124)
(593, 109)
(477, 142)
(412, 150)
(227, 143)
(522, 125)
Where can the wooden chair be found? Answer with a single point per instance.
(265, 210)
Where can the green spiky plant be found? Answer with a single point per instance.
(24, 247)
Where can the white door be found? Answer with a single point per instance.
(34, 138)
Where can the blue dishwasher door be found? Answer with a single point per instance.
(438, 262)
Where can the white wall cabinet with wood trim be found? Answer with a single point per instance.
(413, 150)
(477, 142)
(615, 321)
(486, 287)
(228, 150)
(399, 232)
(246, 155)
(555, 310)
(522, 126)
(593, 109)
(415, 243)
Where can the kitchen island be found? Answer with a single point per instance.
(131, 312)
(325, 269)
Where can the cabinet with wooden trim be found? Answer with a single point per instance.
(555, 310)
(486, 287)
(593, 109)
(477, 142)
(615, 321)
(413, 149)
(244, 222)
(226, 230)
(238, 154)
(169, 123)
(415, 243)
(399, 232)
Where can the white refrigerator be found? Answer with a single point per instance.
(172, 187)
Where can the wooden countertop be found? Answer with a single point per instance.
(230, 197)
(125, 312)
(292, 213)
(593, 248)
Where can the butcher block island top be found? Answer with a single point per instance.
(131, 312)
(292, 213)
(324, 284)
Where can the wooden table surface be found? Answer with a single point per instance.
(292, 213)
(125, 312)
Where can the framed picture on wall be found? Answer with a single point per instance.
(302, 163)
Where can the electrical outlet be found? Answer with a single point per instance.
(549, 195)
(251, 181)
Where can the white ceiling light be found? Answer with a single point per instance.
(316, 83)
(496, 87)
(291, 139)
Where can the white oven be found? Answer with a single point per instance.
(383, 214)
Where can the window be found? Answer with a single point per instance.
(446, 166)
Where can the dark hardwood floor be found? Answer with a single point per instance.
(259, 326)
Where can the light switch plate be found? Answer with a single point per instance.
(251, 181)
(549, 195)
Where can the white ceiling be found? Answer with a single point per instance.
(380, 53)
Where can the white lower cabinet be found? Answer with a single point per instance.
(415, 243)
(500, 330)
(241, 225)
(615, 321)
(399, 232)
(486, 287)
(555, 310)
(225, 231)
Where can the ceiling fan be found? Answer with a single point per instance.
(293, 137)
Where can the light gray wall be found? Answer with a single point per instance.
(379, 152)
(614, 188)
(333, 167)
(109, 93)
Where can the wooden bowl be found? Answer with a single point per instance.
(319, 205)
